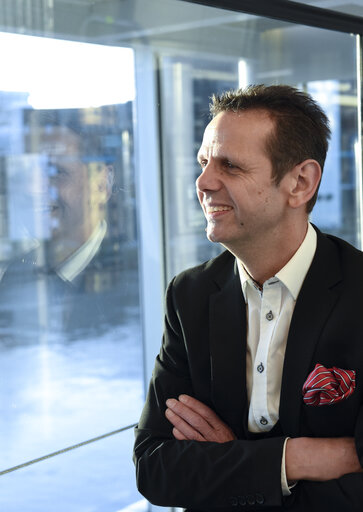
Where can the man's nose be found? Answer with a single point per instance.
(209, 179)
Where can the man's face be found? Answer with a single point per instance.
(240, 201)
(68, 185)
(74, 194)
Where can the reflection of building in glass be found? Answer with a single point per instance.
(335, 210)
(36, 15)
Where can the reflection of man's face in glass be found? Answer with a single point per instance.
(76, 191)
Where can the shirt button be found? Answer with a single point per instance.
(260, 368)
(260, 499)
(263, 421)
(269, 315)
(242, 500)
(251, 499)
(233, 501)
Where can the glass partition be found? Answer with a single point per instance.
(71, 359)
(89, 478)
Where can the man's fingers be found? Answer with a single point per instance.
(206, 412)
(179, 436)
(183, 427)
(196, 421)
(190, 416)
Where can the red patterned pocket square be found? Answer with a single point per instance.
(325, 386)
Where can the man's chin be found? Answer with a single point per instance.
(219, 238)
(213, 236)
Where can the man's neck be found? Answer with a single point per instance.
(264, 261)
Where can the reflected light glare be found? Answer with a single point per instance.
(66, 74)
(243, 79)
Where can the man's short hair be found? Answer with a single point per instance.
(301, 126)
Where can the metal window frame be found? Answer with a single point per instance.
(359, 177)
(292, 12)
(148, 194)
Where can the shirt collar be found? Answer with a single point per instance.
(78, 261)
(295, 270)
(245, 277)
(292, 275)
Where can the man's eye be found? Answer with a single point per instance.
(56, 171)
(203, 163)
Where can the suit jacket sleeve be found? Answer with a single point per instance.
(191, 474)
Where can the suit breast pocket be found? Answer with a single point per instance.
(335, 420)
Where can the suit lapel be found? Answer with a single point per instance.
(227, 322)
(316, 300)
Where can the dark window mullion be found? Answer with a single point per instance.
(293, 12)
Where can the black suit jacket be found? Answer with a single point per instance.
(203, 354)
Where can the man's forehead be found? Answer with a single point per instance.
(59, 142)
(228, 127)
(213, 135)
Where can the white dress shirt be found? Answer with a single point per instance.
(269, 312)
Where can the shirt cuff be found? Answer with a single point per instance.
(286, 488)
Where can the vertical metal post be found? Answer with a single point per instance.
(148, 198)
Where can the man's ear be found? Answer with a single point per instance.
(305, 179)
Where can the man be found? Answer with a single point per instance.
(228, 422)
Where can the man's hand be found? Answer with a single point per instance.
(195, 421)
(321, 459)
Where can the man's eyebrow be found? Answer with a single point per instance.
(219, 158)
(222, 158)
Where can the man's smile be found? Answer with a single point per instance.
(213, 209)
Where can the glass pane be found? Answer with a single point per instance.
(94, 478)
(71, 344)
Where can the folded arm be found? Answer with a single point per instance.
(316, 459)
(174, 470)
